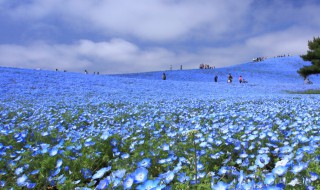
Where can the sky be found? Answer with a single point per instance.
(129, 36)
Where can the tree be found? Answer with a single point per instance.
(313, 55)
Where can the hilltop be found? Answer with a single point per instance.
(272, 70)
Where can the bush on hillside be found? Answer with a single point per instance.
(313, 55)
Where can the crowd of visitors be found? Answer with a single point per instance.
(205, 66)
(258, 59)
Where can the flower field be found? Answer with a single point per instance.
(135, 131)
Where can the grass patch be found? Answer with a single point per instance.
(311, 91)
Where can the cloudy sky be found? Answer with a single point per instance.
(125, 36)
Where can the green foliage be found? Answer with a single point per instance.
(305, 92)
(313, 55)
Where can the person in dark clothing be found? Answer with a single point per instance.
(240, 79)
(216, 78)
(230, 78)
(164, 77)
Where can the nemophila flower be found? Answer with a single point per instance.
(105, 135)
(243, 155)
(309, 187)
(262, 160)
(114, 142)
(219, 186)
(165, 147)
(34, 172)
(100, 173)
(140, 175)
(30, 185)
(269, 179)
(125, 156)
(215, 156)
(299, 167)
(182, 177)
(148, 185)
(223, 170)
(294, 182)
(59, 163)
(61, 179)
(86, 173)
(280, 170)
(128, 182)
(22, 181)
(299, 157)
(286, 149)
(168, 176)
(56, 172)
(53, 151)
(313, 176)
(104, 183)
(283, 162)
(146, 162)
(119, 173)
(19, 171)
(2, 183)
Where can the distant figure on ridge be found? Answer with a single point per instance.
(240, 79)
(230, 78)
(164, 77)
(307, 81)
(216, 78)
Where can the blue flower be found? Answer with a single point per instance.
(145, 163)
(21, 181)
(18, 171)
(219, 186)
(2, 183)
(280, 170)
(140, 175)
(86, 173)
(313, 176)
(223, 170)
(269, 179)
(148, 185)
(286, 149)
(128, 182)
(165, 147)
(101, 172)
(104, 183)
(299, 167)
(125, 156)
(30, 185)
(182, 177)
(53, 151)
(59, 163)
(34, 172)
(119, 173)
(168, 177)
(262, 160)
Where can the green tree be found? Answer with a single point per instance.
(313, 55)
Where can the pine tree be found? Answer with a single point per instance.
(313, 55)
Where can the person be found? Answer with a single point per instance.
(216, 78)
(164, 77)
(230, 78)
(240, 79)
(307, 81)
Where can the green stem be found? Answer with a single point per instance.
(195, 158)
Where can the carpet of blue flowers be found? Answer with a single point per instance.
(75, 131)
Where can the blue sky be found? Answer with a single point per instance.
(124, 36)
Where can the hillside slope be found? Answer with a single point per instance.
(272, 77)
(273, 70)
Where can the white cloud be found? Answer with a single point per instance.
(143, 35)
(148, 20)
